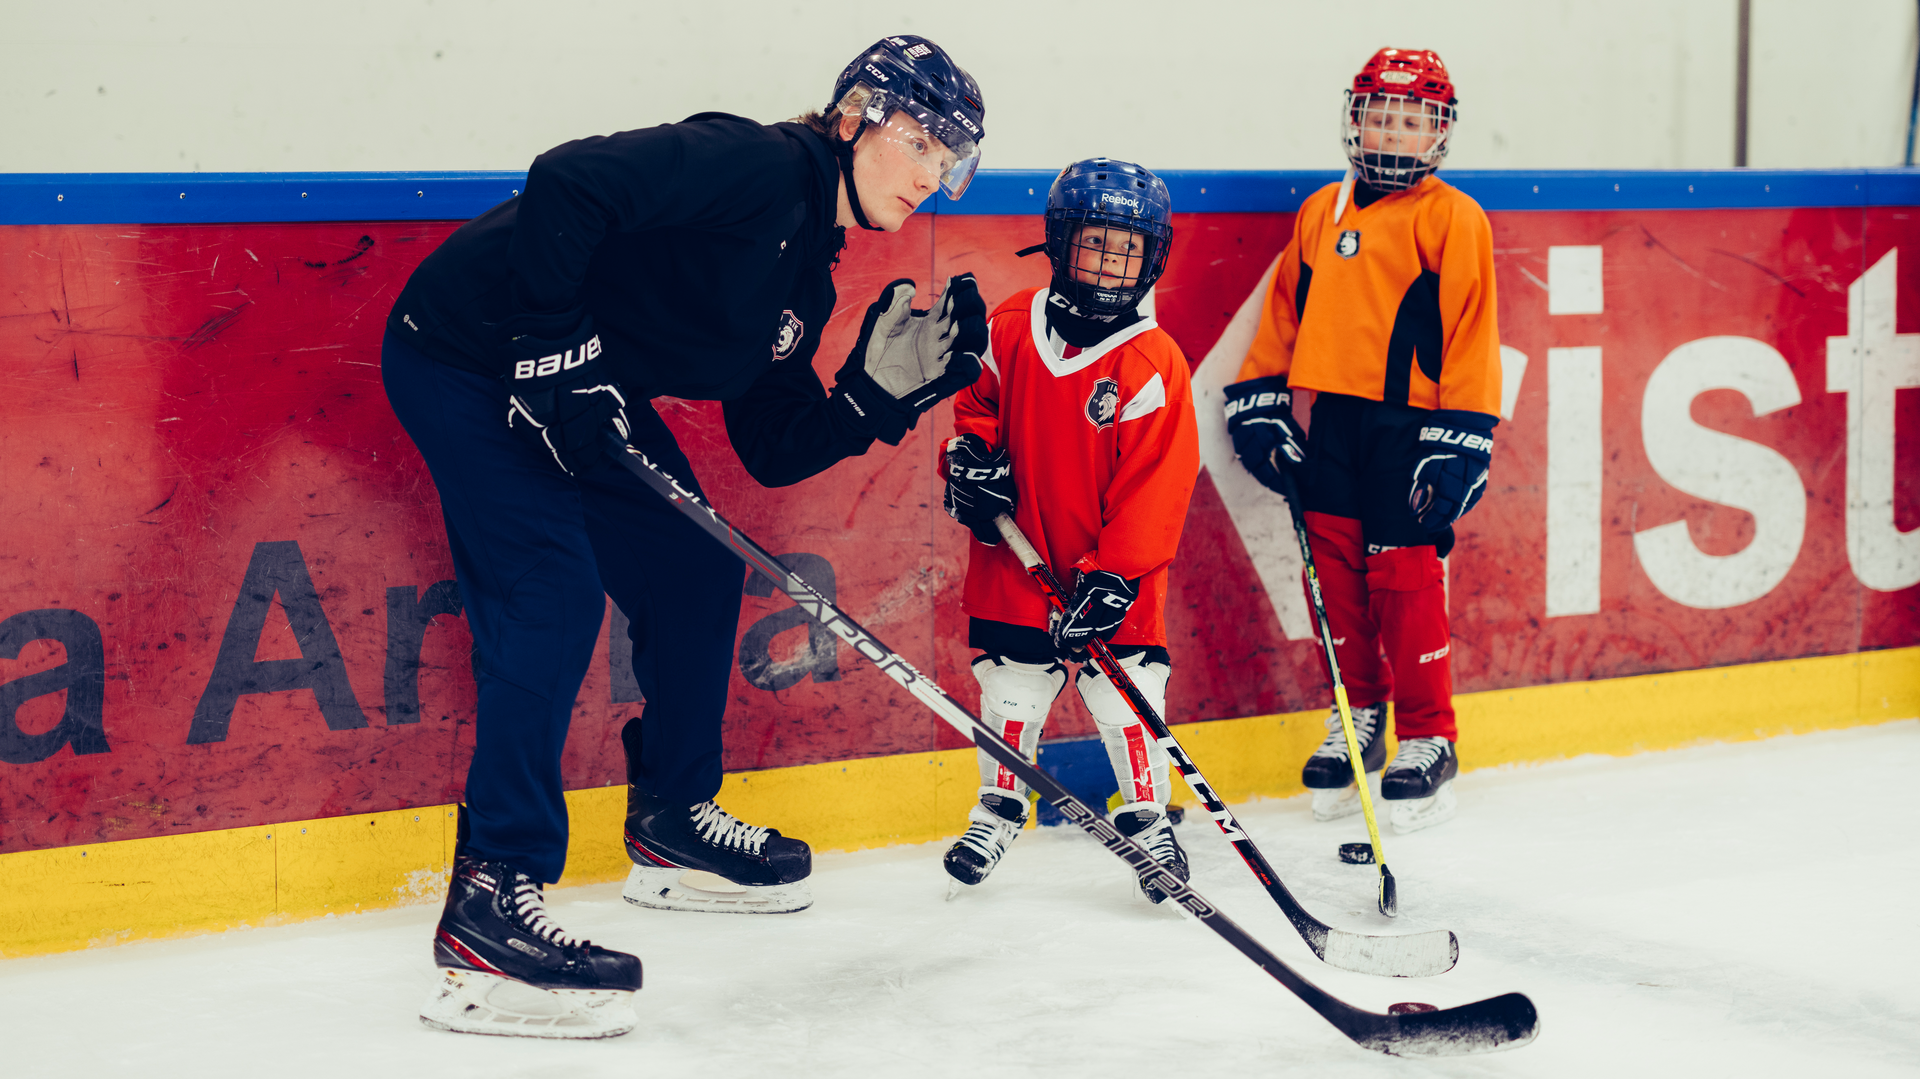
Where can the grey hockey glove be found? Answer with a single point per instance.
(907, 361)
(560, 391)
(1456, 449)
(1260, 422)
(979, 486)
(1100, 603)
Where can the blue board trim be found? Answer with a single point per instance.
(204, 197)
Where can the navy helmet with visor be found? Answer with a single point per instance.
(911, 75)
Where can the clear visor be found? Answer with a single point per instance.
(950, 164)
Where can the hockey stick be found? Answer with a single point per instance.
(1481, 1026)
(1389, 894)
(1416, 955)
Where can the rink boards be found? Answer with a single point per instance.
(231, 656)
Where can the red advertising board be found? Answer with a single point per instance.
(225, 595)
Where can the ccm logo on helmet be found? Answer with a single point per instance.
(559, 361)
(1462, 439)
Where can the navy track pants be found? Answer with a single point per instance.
(536, 553)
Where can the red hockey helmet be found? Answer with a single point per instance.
(1399, 117)
(1407, 73)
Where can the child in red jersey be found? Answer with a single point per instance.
(1383, 303)
(1081, 426)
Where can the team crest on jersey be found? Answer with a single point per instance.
(788, 337)
(1103, 403)
(1348, 245)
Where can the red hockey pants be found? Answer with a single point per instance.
(1388, 613)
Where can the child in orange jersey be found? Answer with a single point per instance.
(1081, 426)
(1383, 303)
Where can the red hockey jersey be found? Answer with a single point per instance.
(1105, 454)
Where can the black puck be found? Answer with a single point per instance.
(1409, 1007)
(1356, 853)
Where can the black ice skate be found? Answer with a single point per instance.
(1329, 772)
(992, 825)
(1419, 784)
(505, 968)
(759, 870)
(1147, 824)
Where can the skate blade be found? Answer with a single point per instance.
(956, 889)
(692, 889)
(473, 1002)
(1413, 814)
(1339, 802)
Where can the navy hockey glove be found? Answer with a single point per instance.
(1455, 450)
(560, 391)
(1260, 422)
(907, 361)
(979, 486)
(1099, 604)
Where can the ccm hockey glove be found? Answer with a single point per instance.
(560, 391)
(907, 361)
(1099, 604)
(1455, 450)
(1260, 422)
(979, 486)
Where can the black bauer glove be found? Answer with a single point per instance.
(1100, 603)
(979, 486)
(1260, 422)
(1456, 449)
(560, 391)
(907, 361)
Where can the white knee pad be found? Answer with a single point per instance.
(1014, 700)
(1139, 762)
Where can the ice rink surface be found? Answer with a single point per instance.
(1729, 910)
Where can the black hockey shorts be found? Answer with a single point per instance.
(1360, 459)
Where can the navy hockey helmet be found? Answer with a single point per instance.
(910, 74)
(1111, 196)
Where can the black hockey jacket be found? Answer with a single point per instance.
(703, 251)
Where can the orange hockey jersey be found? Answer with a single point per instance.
(1394, 303)
(1105, 454)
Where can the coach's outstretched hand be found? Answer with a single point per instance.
(560, 391)
(907, 361)
(1456, 449)
(1260, 422)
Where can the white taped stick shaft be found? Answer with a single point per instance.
(1017, 541)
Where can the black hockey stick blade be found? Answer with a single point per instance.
(1473, 1028)
(1502, 1022)
(1389, 893)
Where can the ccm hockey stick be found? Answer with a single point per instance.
(1481, 1026)
(1416, 955)
(1389, 894)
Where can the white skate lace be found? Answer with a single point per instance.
(984, 838)
(1159, 843)
(723, 829)
(1417, 754)
(531, 906)
(1365, 721)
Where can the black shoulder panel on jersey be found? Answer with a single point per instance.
(1416, 335)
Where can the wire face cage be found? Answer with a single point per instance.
(1393, 140)
(1109, 229)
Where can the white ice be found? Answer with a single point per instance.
(1737, 910)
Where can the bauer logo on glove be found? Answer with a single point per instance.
(1448, 481)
